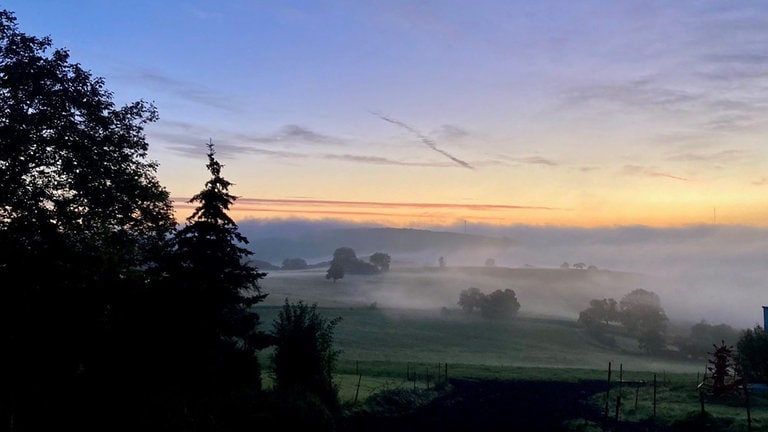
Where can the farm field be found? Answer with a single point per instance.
(404, 331)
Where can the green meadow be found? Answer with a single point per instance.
(404, 330)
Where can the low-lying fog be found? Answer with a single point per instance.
(715, 273)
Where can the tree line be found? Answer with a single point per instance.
(112, 315)
(639, 314)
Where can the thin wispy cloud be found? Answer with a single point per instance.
(724, 156)
(424, 139)
(535, 160)
(292, 133)
(185, 139)
(376, 160)
(668, 175)
(382, 204)
(763, 181)
(637, 170)
(637, 95)
(193, 92)
(451, 132)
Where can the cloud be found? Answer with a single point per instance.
(762, 181)
(292, 133)
(451, 132)
(377, 160)
(194, 92)
(424, 139)
(650, 172)
(533, 160)
(639, 94)
(723, 156)
(319, 208)
(385, 204)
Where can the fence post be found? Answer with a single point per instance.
(637, 393)
(608, 390)
(621, 383)
(654, 396)
(749, 414)
(357, 391)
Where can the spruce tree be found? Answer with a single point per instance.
(213, 287)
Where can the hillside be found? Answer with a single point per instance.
(401, 243)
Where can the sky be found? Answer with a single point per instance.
(423, 113)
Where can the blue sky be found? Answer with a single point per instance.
(588, 113)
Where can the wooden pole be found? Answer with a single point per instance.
(749, 413)
(357, 391)
(446, 373)
(608, 390)
(654, 396)
(637, 393)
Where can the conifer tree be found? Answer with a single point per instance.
(213, 287)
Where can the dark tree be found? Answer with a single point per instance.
(214, 369)
(381, 261)
(471, 299)
(335, 271)
(441, 262)
(640, 312)
(344, 255)
(294, 264)
(347, 259)
(752, 349)
(81, 218)
(721, 368)
(599, 312)
(698, 342)
(500, 305)
(304, 359)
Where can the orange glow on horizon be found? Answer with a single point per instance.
(405, 214)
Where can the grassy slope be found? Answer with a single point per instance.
(416, 328)
(416, 320)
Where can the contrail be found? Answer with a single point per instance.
(426, 140)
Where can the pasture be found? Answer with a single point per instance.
(404, 330)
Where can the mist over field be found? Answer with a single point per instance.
(708, 272)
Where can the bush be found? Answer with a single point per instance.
(752, 355)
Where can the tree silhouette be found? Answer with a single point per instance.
(640, 312)
(335, 271)
(304, 358)
(500, 305)
(752, 349)
(211, 287)
(381, 260)
(471, 298)
(81, 217)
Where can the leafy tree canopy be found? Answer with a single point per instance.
(381, 260)
(82, 216)
(752, 348)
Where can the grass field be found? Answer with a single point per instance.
(404, 330)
